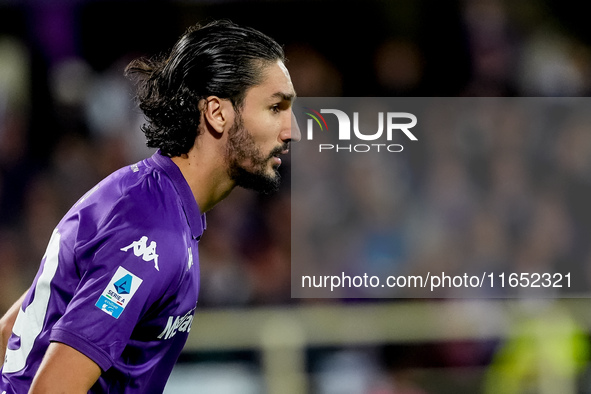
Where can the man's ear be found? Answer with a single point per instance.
(218, 113)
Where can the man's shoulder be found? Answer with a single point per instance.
(137, 197)
(142, 186)
(134, 212)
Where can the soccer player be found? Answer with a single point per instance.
(113, 302)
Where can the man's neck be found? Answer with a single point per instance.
(206, 175)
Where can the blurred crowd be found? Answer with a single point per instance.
(66, 122)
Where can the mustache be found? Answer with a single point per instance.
(279, 149)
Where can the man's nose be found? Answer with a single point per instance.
(295, 134)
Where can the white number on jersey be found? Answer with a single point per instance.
(29, 323)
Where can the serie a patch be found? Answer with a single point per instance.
(118, 292)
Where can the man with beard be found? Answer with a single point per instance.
(113, 302)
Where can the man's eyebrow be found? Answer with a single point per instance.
(284, 96)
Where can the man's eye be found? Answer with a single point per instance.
(275, 108)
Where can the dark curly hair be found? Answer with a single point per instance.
(220, 59)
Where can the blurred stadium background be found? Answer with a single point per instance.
(67, 120)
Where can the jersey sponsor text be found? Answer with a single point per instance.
(177, 324)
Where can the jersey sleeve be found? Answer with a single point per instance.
(126, 268)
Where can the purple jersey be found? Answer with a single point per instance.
(118, 282)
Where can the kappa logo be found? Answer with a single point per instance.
(143, 250)
(190, 262)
